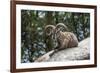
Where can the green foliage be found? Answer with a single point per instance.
(33, 22)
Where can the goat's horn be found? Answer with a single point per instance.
(52, 27)
(59, 25)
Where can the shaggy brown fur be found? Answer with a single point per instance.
(63, 39)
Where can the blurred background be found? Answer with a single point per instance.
(32, 30)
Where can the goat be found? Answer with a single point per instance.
(65, 39)
(62, 39)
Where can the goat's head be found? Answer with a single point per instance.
(53, 32)
(49, 34)
(49, 30)
(59, 28)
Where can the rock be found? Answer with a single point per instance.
(82, 52)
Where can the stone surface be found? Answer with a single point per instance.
(77, 53)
